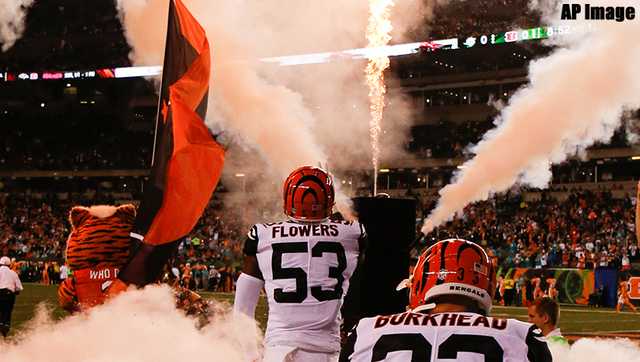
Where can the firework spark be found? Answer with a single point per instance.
(378, 35)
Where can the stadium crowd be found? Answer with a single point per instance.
(485, 17)
(587, 230)
(63, 35)
(445, 139)
(440, 140)
(49, 144)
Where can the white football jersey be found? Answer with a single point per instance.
(306, 269)
(466, 337)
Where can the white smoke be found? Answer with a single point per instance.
(12, 16)
(136, 326)
(596, 350)
(575, 98)
(144, 325)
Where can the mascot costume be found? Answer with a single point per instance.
(97, 247)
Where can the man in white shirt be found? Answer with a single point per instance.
(589, 245)
(10, 286)
(64, 272)
(545, 313)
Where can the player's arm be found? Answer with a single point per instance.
(538, 350)
(348, 347)
(250, 282)
(350, 317)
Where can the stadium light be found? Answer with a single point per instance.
(383, 170)
(635, 158)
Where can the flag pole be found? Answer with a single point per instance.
(158, 108)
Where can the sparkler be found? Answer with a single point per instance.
(378, 35)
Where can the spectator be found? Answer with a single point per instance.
(214, 278)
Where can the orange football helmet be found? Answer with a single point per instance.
(308, 194)
(453, 267)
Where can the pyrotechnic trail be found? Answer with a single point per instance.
(378, 35)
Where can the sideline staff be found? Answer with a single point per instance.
(545, 313)
(10, 286)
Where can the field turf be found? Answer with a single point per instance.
(574, 320)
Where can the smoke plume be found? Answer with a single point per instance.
(137, 326)
(596, 350)
(12, 16)
(575, 98)
(283, 117)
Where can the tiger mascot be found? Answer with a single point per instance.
(97, 247)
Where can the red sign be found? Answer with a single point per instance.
(52, 75)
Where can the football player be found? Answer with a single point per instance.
(451, 290)
(304, 265)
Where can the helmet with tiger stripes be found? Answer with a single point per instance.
(308, 194)
(453, 267)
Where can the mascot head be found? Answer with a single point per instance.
(99, 236)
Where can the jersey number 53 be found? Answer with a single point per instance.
(300, 293)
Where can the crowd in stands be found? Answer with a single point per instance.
(127, 150)
(32, 229)
(446, 139)
(69, 35)
(587, 230)
(115, 150)
(451, 139)
(481, 17)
